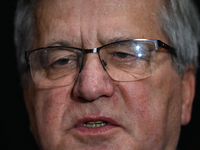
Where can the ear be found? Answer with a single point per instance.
(188, 91)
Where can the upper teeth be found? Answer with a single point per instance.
(94, 124)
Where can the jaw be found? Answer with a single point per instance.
(146, 109)
(145, 125)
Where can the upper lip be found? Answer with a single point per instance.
(108, 120)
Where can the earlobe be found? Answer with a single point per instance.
(188, 91)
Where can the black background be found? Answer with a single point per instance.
(14, 123)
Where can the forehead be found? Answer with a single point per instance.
(104, 7)
(76, 18)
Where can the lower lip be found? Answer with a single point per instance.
(99, 130)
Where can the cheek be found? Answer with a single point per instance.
(49, 109)
(146, 122)
(53, 104)
(152, 108)
(137, 98)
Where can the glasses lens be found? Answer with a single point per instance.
(129, 60)
(57, 66)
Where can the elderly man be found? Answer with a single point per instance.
(115, 74)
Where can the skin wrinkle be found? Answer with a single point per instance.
(108, 28)
(151, 106)
(145, 109)
(91, 62)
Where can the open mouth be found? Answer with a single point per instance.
(94, 124)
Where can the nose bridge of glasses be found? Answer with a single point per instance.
(94, 50)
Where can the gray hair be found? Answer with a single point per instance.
(179, 21)
(23, 35)
(181, 24)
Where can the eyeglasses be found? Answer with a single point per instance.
(126, 60)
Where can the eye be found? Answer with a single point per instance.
(62, 61)
(122, 55)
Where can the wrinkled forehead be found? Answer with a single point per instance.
(101, 7)
(96, 19)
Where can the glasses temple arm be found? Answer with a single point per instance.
(169, 48)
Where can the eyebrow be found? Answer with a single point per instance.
(116, 39)
(104, 42)
(58, 43)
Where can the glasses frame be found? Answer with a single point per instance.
(157, 43)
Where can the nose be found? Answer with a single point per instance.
(93, 81)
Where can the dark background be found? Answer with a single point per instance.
(14, 123)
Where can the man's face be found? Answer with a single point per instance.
(140, 115)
